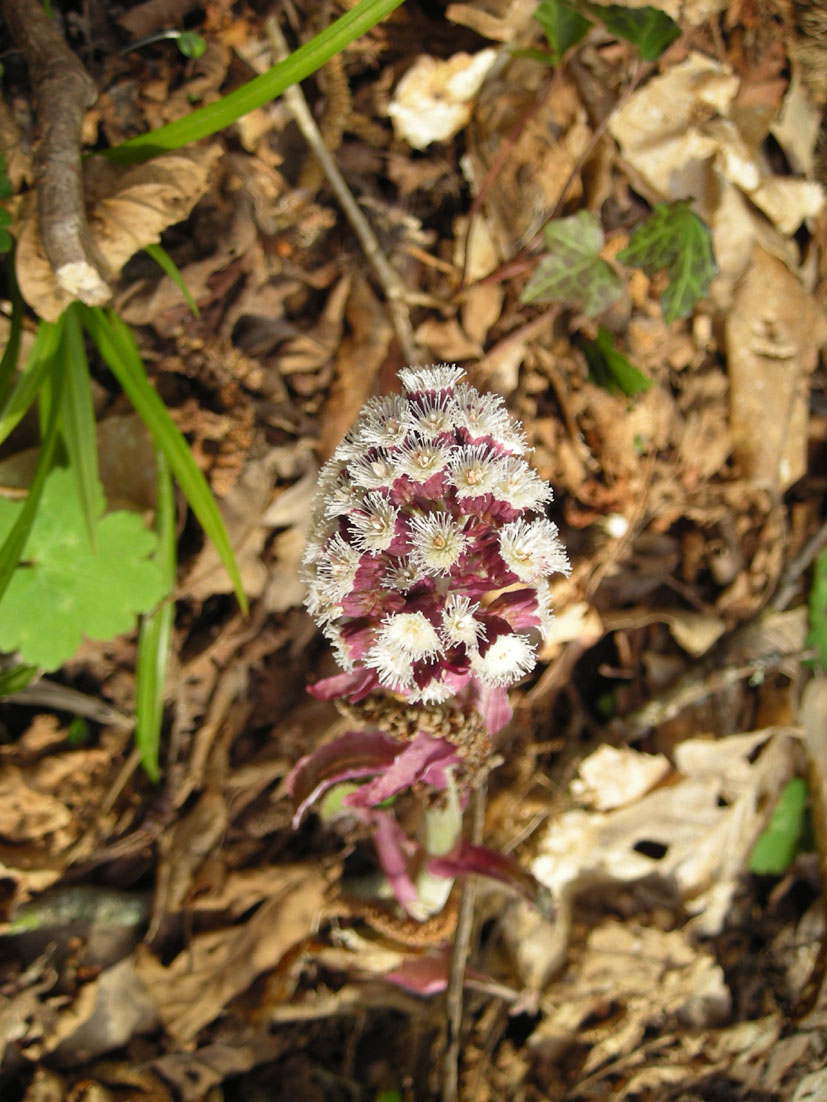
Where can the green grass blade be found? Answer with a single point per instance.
(116, 344)
(155, 639)
(260, 90)
(78, 420)
(15, 541)
(170, 268)
(31, 378)
(8, 361)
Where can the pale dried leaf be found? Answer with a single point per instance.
(613, 777)
(706, 845)
(796, 127)
(435, 98)
(773, 335)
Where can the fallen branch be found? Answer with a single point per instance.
(62, 91)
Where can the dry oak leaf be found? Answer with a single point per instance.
(127, 209)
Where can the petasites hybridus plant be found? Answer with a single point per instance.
(426, 567)
(429, 552)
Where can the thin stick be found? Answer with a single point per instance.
(392, 284)
(788, 585)
(459, 960)
(62, 92)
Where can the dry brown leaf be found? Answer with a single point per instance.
(773, 335)
(651, 974)
(447, 341)
(359, 360)
(128, 208)
(500, 20)
(217, 966)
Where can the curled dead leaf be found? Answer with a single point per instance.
(127, 209)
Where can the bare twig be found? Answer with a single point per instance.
(459, 961)
(62, 92)
(392, 284)
(790, 579)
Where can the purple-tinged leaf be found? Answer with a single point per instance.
(492, 703)
(483, 861)
(428, 975)
(391, 843)
(354, 754)
(355, 684)
(425, 759)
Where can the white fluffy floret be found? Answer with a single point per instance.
(532, 549)
(459, 625)
(341, 500)
(485, 415)
(520, 486)
(402, 576)
(334, 636)
(411, 633)
(385, 422)
(336, 569)
(421, 461)
(393, 666)
(510, 657)
(420, 380)
(474, 471)
(432, 415)
(375, 472)
(375, 523)
(438, 542)
(435, 692)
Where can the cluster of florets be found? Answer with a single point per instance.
(429, 551)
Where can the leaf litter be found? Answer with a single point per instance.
(174, 942)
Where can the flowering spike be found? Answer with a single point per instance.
(426, 506)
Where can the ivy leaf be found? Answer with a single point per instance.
(610, 368)
(563, 25)
(650, 29)
(62, 590)
(675, 238)
(777, 846)
(573, 270)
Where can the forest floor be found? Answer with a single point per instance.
(182, 941)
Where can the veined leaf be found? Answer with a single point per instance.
(170, 268)
(564, 26)
(155, 639)
(78, 419)
(573, 271)
(674, 238)
(260, 90)
(650, 29)
(116, 344)
(66, 590)
(610, 368)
